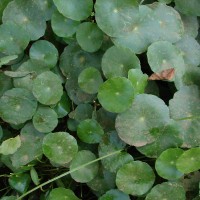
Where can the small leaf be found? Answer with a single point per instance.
(117, 61)
(44, 52)
(45, 119)
(62, 194)
(20, 103)
(90, 131)
(166, 164)
(116, 94)
(34, 176)
(87, 173)
(189, 161)
(90, 80)
(135, 178)
(89, 36)
(59, 147)
(63, 26)
(47, 88)
(20, 182)
(10, 145)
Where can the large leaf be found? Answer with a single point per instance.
(119, 17)
(17, 106)
(28, 15)
(114, 194)
(135, 178)
(139, 125)
(13, 39)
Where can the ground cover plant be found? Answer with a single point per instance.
(99, 99)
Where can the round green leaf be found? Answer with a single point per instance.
(167, 191)
(20, 182)
(189, 161)
(3, 4)
(190, 50)
(13, 39)
(90, 131)
(114, 194)
(27, 15)
(62, 194)
(166, 164)
(114, 17)
(44, 52)
(90, 80)
(135, 178)
(63, 26)
(163, 55)
(139, 125)
(118, 61)
(17, 106)
(47, 88)
(74, 9)
(116, 94)
(184, 108)
(59, 147)
(10, 145)
(87, 173)
(45, 119)
(155, 22)
(89, 36)
(191, 7)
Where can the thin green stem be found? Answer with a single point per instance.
(67, 173)
(186, 118)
